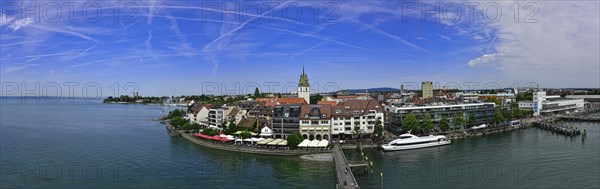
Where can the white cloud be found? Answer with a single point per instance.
(560, 50)
(13, 23)
(5, 20)
(486, 59)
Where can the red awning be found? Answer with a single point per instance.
(216, 137)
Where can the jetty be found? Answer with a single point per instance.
(585, 117)
(558, 128)
(344, 169)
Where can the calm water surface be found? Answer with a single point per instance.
(529, 158)
(94, 145)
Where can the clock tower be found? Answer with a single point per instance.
(303, 87)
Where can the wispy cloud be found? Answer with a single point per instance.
(14, 23)
(20, 43)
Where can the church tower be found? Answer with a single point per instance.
(303, 87)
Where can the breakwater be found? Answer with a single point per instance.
(558, 128)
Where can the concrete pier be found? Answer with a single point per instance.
(345, 177)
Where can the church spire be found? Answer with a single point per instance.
(303, 79)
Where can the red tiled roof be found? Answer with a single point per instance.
(348, 108)
(280, 101)
(306, 110)
(332, 103)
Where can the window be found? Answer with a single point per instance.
(305, 122)
(314, 122)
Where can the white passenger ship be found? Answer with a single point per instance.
(409, 141)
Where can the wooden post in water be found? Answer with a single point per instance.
(381, 174)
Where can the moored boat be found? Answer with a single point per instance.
(409, 141)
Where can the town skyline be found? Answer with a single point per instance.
(171, 48)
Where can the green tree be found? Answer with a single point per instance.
(178, 121)
(472, 120)
(314, 99)
(174, 113)
(378, 130)
(231, 128)
(459, 121)
(444, 125)
(494, 100)
(410, 123)
(497, 117)
(357, 132)
(186, 126)
(294, 139)
(256, 93)
(517, 113)
(210, 132)
(508, 115)
(427, 123)
(245, 135)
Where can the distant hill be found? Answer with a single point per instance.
(379, 89)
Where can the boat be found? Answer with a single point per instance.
(409, 141)
(479, 127)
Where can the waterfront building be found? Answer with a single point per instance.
(286, 120)
(304, 87)
(315, 121)
(543, 104)
(427, 89)
(218, 116)
(198, 113)
(467, 97)
(346, 115)
(588, 98)
(481, 111)
(236, 115)
(266, 132)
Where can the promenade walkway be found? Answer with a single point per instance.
(345, 177)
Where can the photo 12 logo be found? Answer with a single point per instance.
(451, 13)
(67, 172)
(71, 11)
(57, 91)
(129, 12)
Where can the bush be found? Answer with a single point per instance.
(210, 132)
(294, 139)
(178, 121)
(175, 113)
(190, 126)
(245, 135)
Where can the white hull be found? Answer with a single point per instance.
(415, 146)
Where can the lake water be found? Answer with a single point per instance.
(85, 144)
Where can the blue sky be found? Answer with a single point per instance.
(174, 47)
